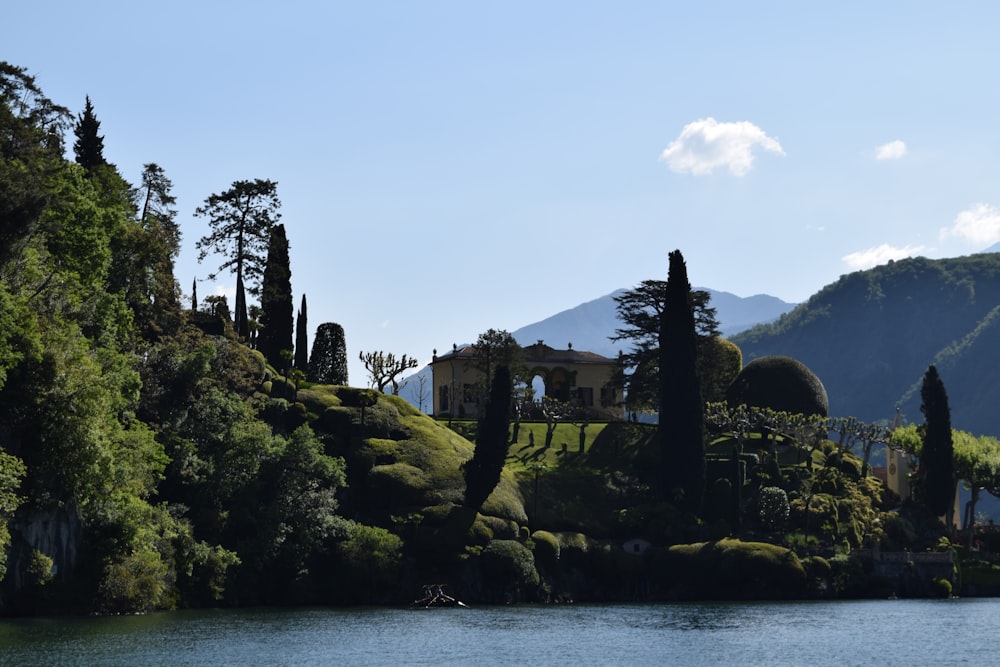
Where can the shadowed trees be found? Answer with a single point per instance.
(482, 471)
(937, 469)
(301, 362)
(89, 145)
(240, 220)
(276, 301)
(641, 310)
(328, 362)
(681, 410)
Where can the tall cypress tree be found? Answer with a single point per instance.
(194, 295)
(937, 466)
(276, 301)
(482, 471)
(682, 430)
(89, 145)
(302, 338)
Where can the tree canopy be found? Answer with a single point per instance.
(328, 361)
(240, 220)
(681, 428)
(276, 301)
(936, 472)
(89, 145)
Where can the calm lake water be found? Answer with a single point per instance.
(887, 632)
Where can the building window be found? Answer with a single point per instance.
(443, 397)
(586, 396)
(469, 393)
(608, 396)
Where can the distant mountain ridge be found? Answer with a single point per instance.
(871, 335)
(590, 326)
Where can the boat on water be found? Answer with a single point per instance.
(435, 596)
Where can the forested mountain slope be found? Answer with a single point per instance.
(871, 335)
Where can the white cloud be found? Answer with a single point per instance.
(866, 259)
(706, 144)
(979, 225)
(894, 150)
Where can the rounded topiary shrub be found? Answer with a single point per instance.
(779, 383)
(508, 569)
(546, 548)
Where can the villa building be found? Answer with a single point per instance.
(571, 376)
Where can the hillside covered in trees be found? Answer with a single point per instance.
(156, 454)
(871, 335)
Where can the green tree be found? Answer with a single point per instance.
(937, 468)
(89, 145)
(482, 471)
(641, 310)
(276, 301)
(328, 361)
(497, 347)
(302, 338)
(384, 368)
(682, 426)
(144, 254)
(977, 462)
(31, 147)
(241, 219)
(11, 472)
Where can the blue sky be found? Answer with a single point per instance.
(450, 167)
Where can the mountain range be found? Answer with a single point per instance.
(871, 335)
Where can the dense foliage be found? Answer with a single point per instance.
(937, 466)
(275, 337)
(682, 433)
(328, 361)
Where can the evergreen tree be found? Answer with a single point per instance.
(194, 295)
(276, 301)
(482, 471)
(937, 467)
(149, 267)
(328, 362)
(89, 145)
(681, 429)
(241, 219)
(641, 311)
(302, 338)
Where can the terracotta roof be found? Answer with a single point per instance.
(538, 352)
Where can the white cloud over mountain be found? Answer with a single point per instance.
(979, 225)
(894, 150)
(707, 144)
(866, 259)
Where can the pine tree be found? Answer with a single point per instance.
(328, 361)
(241, 219)
(161, 243)
(681, 429)
(89, 145)
(302, 338)
(937, 467)
(276, 301)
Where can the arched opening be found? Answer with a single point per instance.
(537, 388)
